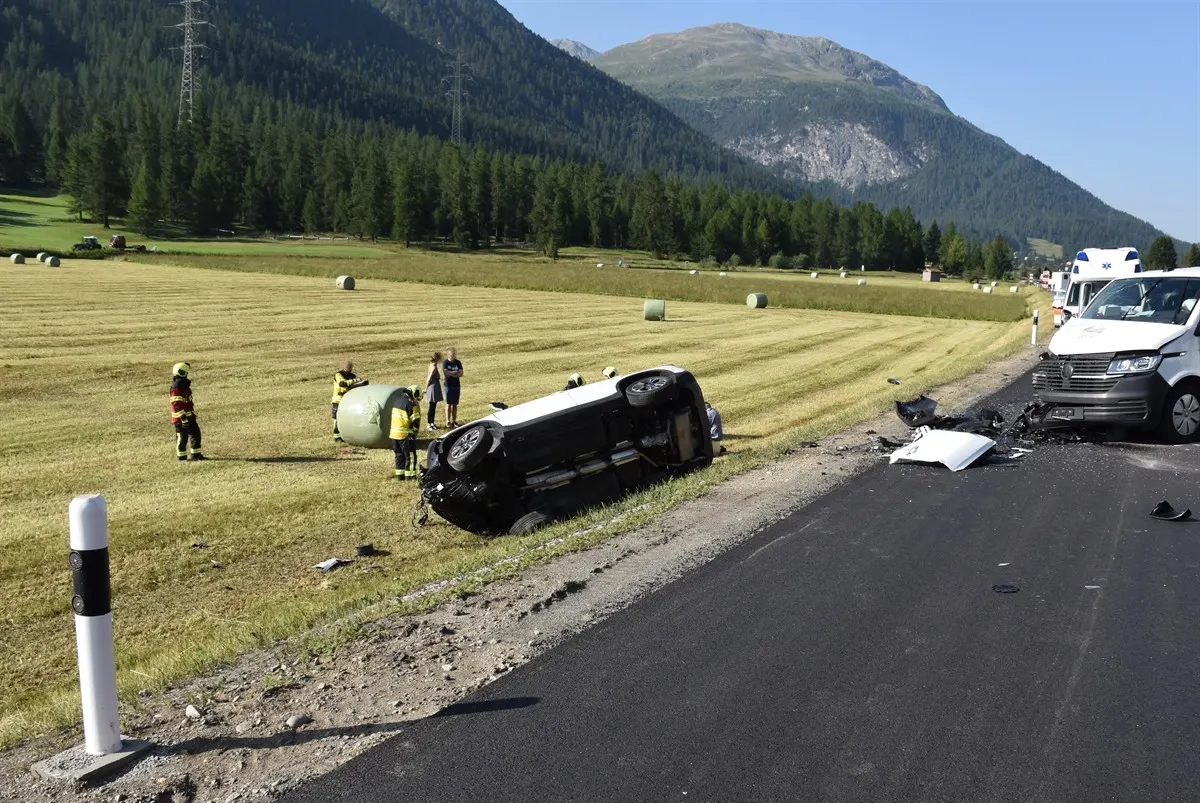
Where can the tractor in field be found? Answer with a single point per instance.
(118, 243)
(89, 244)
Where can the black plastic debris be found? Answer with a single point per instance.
(918, 412)
(1164, 512)
(1005, 588)
(498, 406)
(893, 381)
(364, 550)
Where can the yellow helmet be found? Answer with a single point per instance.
(180, 369)
(414, 391)
(610, 372)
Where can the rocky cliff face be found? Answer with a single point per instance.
(846, 153)
(577, 49)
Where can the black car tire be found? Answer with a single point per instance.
(651, 391)
(469, 449)
(1181, 414)
(530, 522)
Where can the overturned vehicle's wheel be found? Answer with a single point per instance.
(651, 391)
(469, 449)
(530, 522)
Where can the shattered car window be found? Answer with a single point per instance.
(1166, 300)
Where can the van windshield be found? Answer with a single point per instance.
(1164, 300)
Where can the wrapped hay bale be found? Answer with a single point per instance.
(654, 309)
(861, 282)
(987, 290)
(345, 282)
(364, 416)
(52, 262)
(756, 301)
(17, 259)
(814, 275)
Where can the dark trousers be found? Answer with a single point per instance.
(405, 453)
(187, 432)
(333, 415)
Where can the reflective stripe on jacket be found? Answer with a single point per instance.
(181, 400)
(341, 383)
(401, 426)
(415, 417)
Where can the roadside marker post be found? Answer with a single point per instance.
(1033, 339)
(103, 750)
(92, 603)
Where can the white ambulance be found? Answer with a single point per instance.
(1092, 269)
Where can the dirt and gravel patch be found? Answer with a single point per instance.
(279, 716)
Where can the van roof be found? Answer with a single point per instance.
(1191, 273)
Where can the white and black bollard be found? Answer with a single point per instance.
(92, 603)
(103, 751)
(1033, 338)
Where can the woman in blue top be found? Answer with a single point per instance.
(452, 370)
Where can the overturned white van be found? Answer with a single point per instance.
(1131, 358)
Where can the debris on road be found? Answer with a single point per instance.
(1164, 512)
(954, 450)
(892, 381)
(1005, 588)
(917, 412)
(331, 564)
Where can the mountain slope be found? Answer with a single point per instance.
(322, 64)
(814, 111)
(577, 49)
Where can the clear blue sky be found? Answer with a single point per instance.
(1107, 93)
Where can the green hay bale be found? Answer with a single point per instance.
(654, 309)
(364, 416)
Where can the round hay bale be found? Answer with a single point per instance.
(1014, 289)
(995, 284)
(723, 274)
(599, 264)
(52, 262)
(976, 286)
(654, 309)
(364, 416)
(756, 301)
(861, 282)
(18, 259)
(988, 290)
(41, 257)
(843, 274)
(694, 272)
(345, 282)
(814, 274)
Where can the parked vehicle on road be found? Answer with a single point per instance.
(1092, 269)
(532, 463)
(1132, 358)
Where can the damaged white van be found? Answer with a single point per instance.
(1131, 358)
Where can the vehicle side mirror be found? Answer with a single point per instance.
(1066, 316)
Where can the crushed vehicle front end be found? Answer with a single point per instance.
(551, 457)
(1113, 389)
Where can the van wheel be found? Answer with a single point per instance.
(651, 391)
(1181, 414)
(469, 449)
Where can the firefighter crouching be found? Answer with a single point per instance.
(183, 414)
(343, 381)
(413, 466)
(403, 433)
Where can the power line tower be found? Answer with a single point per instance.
(189, 86)
(460, 75)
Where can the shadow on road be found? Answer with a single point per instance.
(485, 706)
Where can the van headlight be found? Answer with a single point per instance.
(1136, 364)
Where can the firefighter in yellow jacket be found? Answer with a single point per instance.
(343, 380)
(183, 414)
(403, 433)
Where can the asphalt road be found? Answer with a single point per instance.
(856, 651)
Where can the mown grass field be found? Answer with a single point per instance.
(527, 271)
(85, 355)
